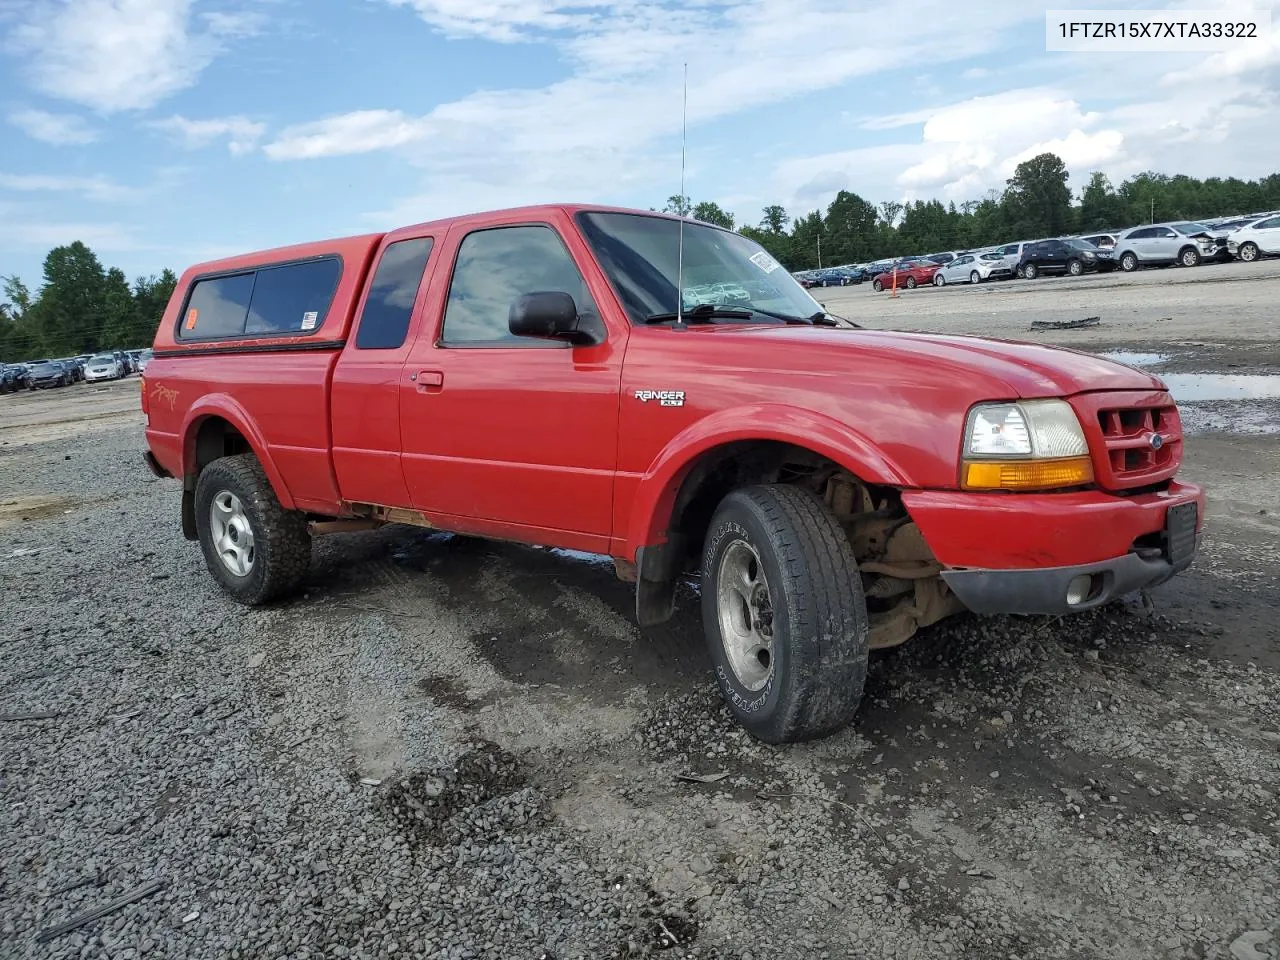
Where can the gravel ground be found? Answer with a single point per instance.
(451, 748)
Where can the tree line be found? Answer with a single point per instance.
(1036, 202)
(80, 308)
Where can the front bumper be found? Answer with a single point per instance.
(92, 376)
(1018, 553)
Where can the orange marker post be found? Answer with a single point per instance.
(894, 291)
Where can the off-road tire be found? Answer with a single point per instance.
(282, 545)
(1249, 252)
(819, 614)
(911, 283)
(877, 286)
(1029, 272)
(1075, 268)
(1129, 262)
(1189, 257)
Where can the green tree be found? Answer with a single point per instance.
(69, 312)
(151, 296)
(1100, 207)
(1038, 198)
(807, 235)
(678, 205)
(774, 219)
(119, 311)
(710, 212)
(851, 229)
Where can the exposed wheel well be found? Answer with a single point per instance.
(216, 438)
(899, 572)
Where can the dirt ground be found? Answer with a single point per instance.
(1099, 786)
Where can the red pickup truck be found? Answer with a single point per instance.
(535, 375)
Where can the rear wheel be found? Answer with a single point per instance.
(1075, 268)
(1189, 257)
(1249, 252)
(253, 547)
(975, 277)
(784, 614)
(911, 283)
(939, 280)
(1030, 271)
(1128, 262)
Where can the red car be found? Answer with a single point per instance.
(911, 274)
(529, 375)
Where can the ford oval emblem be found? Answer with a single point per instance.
(1157, 441)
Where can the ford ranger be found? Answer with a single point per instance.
(546, 375)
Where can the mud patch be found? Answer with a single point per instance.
(448, 692)
(483, 797)
(35, 507)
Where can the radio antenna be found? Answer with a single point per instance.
(684, 137)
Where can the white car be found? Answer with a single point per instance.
(973, 268)
(1184, 242)
(102, 366)
(1256, 240)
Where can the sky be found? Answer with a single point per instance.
(167, 132)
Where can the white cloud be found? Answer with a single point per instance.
(92, 188)
(40, 236)
(113, 55)
(60, 129)
(360, 132)
(504, 21)
(241, 133)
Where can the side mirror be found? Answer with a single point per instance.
(550, 315)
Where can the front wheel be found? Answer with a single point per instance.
(784, 615)
(877, 286)
(1249, 252)
(911, 283)
(1075, 268)
(255, 549)
(1029, 271)
(1189, 257)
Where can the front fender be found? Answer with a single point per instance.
(657, 490)
(224, 406)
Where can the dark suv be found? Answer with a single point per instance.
(1072, 257)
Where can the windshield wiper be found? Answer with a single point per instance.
(703, 313)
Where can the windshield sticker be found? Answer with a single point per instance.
(764, 262)
(309, 320)
(192, 315)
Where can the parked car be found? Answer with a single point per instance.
(836, 277)
(1103, 241)
(972, 268)
(144, 357)
(1184, 242)
(1073, 257)
(910, 274)
(1258, 239)
(126, 366)
(13, 377)
(942, 259)
(795, 468)
(103, 366)
(43, 374)
(1011, 253)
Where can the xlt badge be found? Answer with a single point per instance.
(665, 398)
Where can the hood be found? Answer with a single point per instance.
(1027, 370)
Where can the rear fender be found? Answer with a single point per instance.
(656, 493)
(226, 407)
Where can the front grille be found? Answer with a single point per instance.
(1140, 444)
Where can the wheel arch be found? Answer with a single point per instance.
(759, 437)
(218, 426)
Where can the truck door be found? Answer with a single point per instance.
(513, 436)
(365, 396)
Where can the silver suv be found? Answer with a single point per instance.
(1185, 242)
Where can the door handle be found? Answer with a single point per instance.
(429, 381)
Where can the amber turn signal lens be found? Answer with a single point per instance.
(1027, 474)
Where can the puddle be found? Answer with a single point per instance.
(1242, 417)
(1205, 387)
(1136, 359)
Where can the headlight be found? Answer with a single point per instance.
(1030, 445)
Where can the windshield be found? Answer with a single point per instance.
(639, 255)
(103, 358)
(1082, 244)
(1190, 228)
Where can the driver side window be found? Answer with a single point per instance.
(496, 266)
